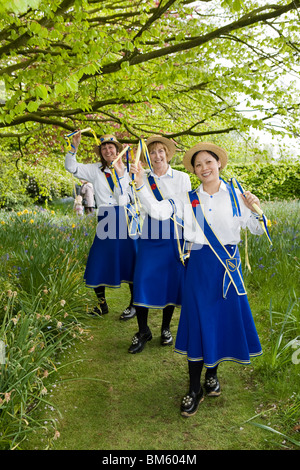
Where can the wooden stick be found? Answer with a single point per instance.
(120, 155)
(76, 132)
(137, 157)
(257, 209)
(138, 153)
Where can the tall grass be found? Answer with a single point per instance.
(42, 298)
(274, 281)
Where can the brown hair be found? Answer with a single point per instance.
(97, 149)
(153, 145)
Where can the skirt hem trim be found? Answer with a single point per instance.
(223, 359)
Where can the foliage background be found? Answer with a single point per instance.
(280, 180)
(213, 70)
(189, 70)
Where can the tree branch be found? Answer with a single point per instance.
(158, 12)
(24, 38)
(247, 20)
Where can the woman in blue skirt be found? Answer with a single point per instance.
(159, 272)
(216, 323)
(112, 256)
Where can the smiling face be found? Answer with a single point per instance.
(206, 167)
(109, 152)
(158, 157)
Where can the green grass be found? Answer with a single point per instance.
(112, 400)
(95, 395)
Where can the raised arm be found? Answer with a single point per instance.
(80, 170)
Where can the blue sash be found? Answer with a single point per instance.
(176, 220)
(109, 180)
(231, 263)
(157, 194)
(154, 188)
(133, 220)
(233, 198)
(262, 219)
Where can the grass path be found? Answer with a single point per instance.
(109, 399)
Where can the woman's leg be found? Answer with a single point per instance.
(129, 311)
(191, 401)
(142, 319)
(144, 334)
(195, 370)
(211, 384)
(103, 307)
(166, 337)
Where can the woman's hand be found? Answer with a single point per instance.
(138, 172)
(119, 167)
(76, 140)
(250, 199)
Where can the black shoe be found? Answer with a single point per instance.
(103, 306)
(212, 386)
(139, 341)
(166, 338)
(128, 313)
(100, 311)
(95, 312)
(190, 403)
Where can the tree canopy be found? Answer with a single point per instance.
(186, 69)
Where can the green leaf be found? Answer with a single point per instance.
(59, 89)
(32, 106)
(72, 83)
(41, 92)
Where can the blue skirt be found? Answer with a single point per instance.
(159, 273)
(211, 328)
(112, 255)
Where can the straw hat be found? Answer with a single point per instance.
(168, 143)
(221, 153)
(109, 138)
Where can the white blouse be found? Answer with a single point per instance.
(217, 209)
(171, 183)
(92, 172)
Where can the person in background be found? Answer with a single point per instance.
(216, 322)
(78, 206)
(112, 255)
(87, 193)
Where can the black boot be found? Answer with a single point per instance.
(166, 338)
(101, 310)
(139, 341)
(128, 313)
(191, 402)
(103, 306)
(211, 384)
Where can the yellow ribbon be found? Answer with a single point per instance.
(136, 200)
(67, 136)
(183, 255)
(247, 262)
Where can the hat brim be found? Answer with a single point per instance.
(221, 154)
(111, 140)
(167, 142)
